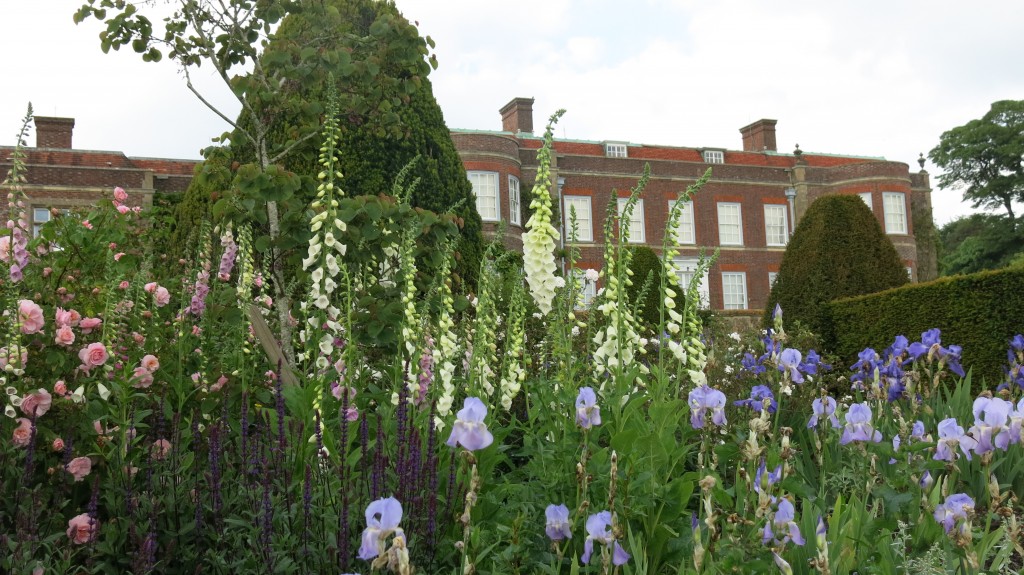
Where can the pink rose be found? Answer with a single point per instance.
(22, 433)
(76, 318)
(47, 272)
(123, 285)
(90, 323)
(118, 256)
(160, 449)
(138, 337)
(79, 467)
(163, 297)
(37, 403)
(86, 224)
(82, 528)
(150, 362)
(60, 388)
(142, 377)
(64, 335)
(30, 316)
(150, 287)
(62, 317)
(123, 209)
(94, 355)
(120, 195)
(5, 248)
(58, 444)
(221, 381)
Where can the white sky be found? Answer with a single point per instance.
(867, 77)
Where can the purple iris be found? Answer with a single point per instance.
(865, 367)
(756, 400)
(382, 519)
(958, 506)
(1016, 421)
(821, 533)
(930, 342)
(1017, 343)
(858, 425)
(813, 363)
(469, 430)
(702, 399)
(898, 348)
(789, 363)
(557, 527)
(927, 481)
(990, 429)
(951, 435)
(784, 522)
(824, 407)
(951, 357)
(917, 432)
(588, 414)
(599, 528)
(750, 363)
(764, 479)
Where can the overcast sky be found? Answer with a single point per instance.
(871, 78)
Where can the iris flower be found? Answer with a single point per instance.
(588, 414)
(951, 435)
(789, 363)
(957, 506)
(469, 430)
(858, 425)
(558, 525)
(824, 407)
(599, 528)
(382, 519)
(783, 521)
(701, 400)
(756, 400)
(991, 415)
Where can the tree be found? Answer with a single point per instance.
(235, 38)
(978, 242)
(838, 250)
(984, 158)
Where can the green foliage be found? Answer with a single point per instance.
(838, 250)
(978, 242)
(979, 312)
(211, 179)
(643, 291)
(982, 157)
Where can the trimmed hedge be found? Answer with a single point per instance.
(980, 312)
(837, 250)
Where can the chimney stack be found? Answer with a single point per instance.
(517, 116)
(54, 132)
(759, 136)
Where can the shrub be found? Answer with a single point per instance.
(838, 250)
(979, 312)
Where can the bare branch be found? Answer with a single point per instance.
(291, 146)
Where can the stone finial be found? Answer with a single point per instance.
(920, 161)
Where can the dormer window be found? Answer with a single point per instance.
(615, 150)
(714, 156)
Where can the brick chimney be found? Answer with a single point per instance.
(759, 136)
(517, 116)
(54, 132)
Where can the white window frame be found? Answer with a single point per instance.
(713, 156)
(685, 269)
(910, 273)
(636, 221)
(726, 296)
(586, 225)
(894, 205)
(475, 175)
(38, 222)
(866, 197)
(588, 289)
(616, 150)
(686, 231)
(775, 240)
(772, 276)
(730, 241)
(515, 212)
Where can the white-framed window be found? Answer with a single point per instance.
(588, 289)
(636, 221)
(39, 217)
(775, 229)
(895, 212)
(485, 188)
(730, 225)
(866, 196)
(686, 269)
(615, 150)
(686, 233)
(910, 273)
(734, 290)
(714, 157)
(584, 222)
(514, 210)
(771, 279)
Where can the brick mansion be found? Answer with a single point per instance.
(748, 209)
